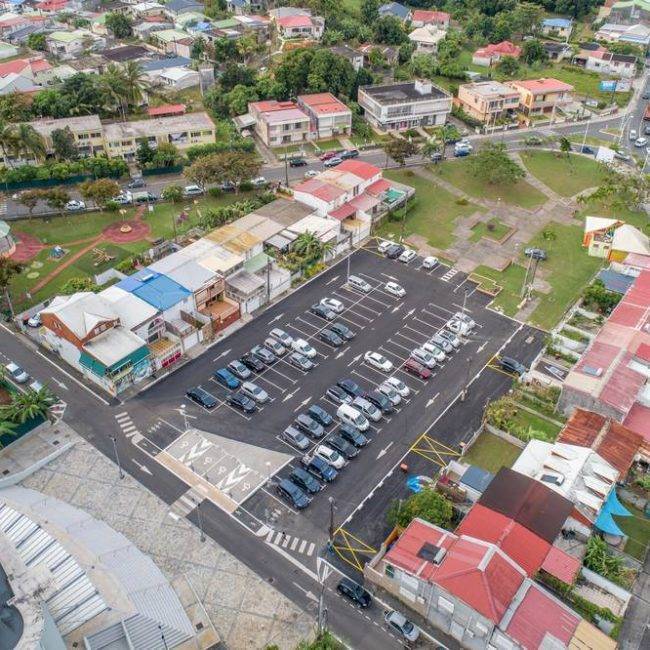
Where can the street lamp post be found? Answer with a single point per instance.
(331, 526)
(117, 457)
(199, 516)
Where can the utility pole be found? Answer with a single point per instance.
(117, 457)
(464, 301)
(584, 139)
(268, 280)
(198, 510)
(162, 637)
(331, 526)
(525, 285)
(286, 168)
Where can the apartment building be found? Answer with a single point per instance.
(488, 101)
(329, 116)
(405, 105)
(546, 95)
(280, 123)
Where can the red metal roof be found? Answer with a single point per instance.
(561, 565)
(324, 103)
(345, 211)
(270, 105)
(643, 352)
(324, 191)
(599, 355)
(364, 202)
(544, 85)
(638, 421)
(295, 21)
(505, 48)
(166, 109)
(421, 15)
(378, 187)
(623, 386)
(525, 547)
(359, 168)
(539, 614)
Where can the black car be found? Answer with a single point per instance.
(338, 395)
(394, 251)
(136, 183)
(354, 592)
(350, 387)
(308, 425)
(320, 415)
(322, 311)
(512, 365)
(264, 354)
(320, 469)
(293, 494)
(305, 481)
(343, 331)
(297, 162)
(353, 435)
(202, 397)
(331, 338)
(300, 361)
(239, 369)
(241, 402)
(349, 153)
(342, 446)
(251, 362)
(380, 401)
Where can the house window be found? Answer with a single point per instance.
(445, 605)
(389, 571)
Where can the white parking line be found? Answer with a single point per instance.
(393, 354)
(410, 329)
(399, 345)
(356, 313)
(408, 338)
(430, 313)
(268, 381)
(282, 503)
(371, 381)
(303, 335)
(306, 322)
(277, 372)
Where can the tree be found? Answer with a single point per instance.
(237, 74)
(36, 41)
(431, 147)
(30, 405)
(173, 193)
(492, 165)
(120, 25)
(30, 199)
(74, 285)
(7, 427)
(56, 199)
(202, 171)
(526, 18)
(565, 146)
(426, 504)
(9, 269)
(389, 30)
(533, 51)
(369, 11)
(399, 150)
(405, 52)
(308, 245)
(8, 140)
(246, 45)
(136, 81)
(64, 144)
(597, 296)
(329, 72)
(114, 89)
(166, 155)
(100, 191)
(631, 191)
(29, 141)
(144, 153)
(508, 66)
(238, 98)
(197, 49)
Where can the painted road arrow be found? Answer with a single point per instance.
(482, 347)
(354, 360)
(290, 395)
(334, 279)
(144, 468)
(60, 384)
(276, 318)
(341, 353)
(223, 354)
(410, 312)
(302, 404)
(384, 450)
(432, 400)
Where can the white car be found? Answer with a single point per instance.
(437, 353)
(458, 327)
(459, 315)
(281, 336)
(192, 190)
(399, 623)
(367, 408)
(633, 135)
(407, 256)
(254, 392)
(395, 289)
(430, 262)
(75, 205)
(16, 373)
(260, 181)
(423, 357)
(34, 321)
(275, 346)
(311, 173)
(384, 245)
(36, 386)
(378, 361)
(641, 142)
(390, 392)
(450, 337)
(330, 456)
(335, 305)
(300, 345)
(399, 386)
(123, 198)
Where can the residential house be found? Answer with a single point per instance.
(279, 123)
(629, 12)
(389, 53)
(183, 131)
(173, 41)
(614, 240)
(146, 9)
(329, 117)
(154, 68)
(7, 51)
(556, 51)
(637, 34)
(396, 10)
(422, 18)
(124, 53)
(426, 39)
(611, 377)
(174, 8)
(178, 78)
(558, 27)
(12, 23)
(488, 101)
(355, 57)
(494, 52)
(67, 45)
(404, 105)
(14, 83)
(255, 24)
(135, 314)
(620, 65)
(539, 96)
(300, 26)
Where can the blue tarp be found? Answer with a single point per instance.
(157, 289)
(605, 521)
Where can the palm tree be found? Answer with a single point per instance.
(8, 270)
(8, 142)
(136, 80)
(7, 428)
(430, 147)
(30, 405)
(115, 88)
(308, 245)
(30, 141)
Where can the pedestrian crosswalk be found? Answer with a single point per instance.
(290, 542)
(126, 424)
(57, 410)
(187, 502)
(449, 274)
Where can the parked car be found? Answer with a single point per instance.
(202, 397)
(378, 361)
(330, 456)
(471, 323)
(320, 415)
(239, 369)
(633, 134)
(641, 142)
(390, 392)
(16, 373)
(75, 205)
(442, 343)
(359, 284)
(144, 197)
(384, 245)
(533, 141)
(264, 355)
(399, 623)
(328, 155)
(423, 357)
(415, 368)
(512, 365)
(437, 353)
(333, 162)
(337, 395)
(297, 162)
(227, 186)
(399, 386)
(322, 311)
(350, 387)
(251, 362)
(355, 592)
(451, 337)
(136, 183)
(255, 392)
(344, 448)
(123, 198)
(310, 173)
(331, 338)
(332, 303)
(457, 326)
(227, 379)
(343, 331)
(436, 156)
(380, 400)
(293, 494)
(281, 336)
(192, 190)
(535, 253)
(367, 408)
(353, 435)
(241, 402)
(319, 468)
(295, 438)
(462, 152)
(395, 289)
(407, 256)
(350, 153)
(308, 425)
(301, 346)
(300, 361)
(621, 155)
(393, 252)
(430, 262)
(275, 346)
(258, 182)
(305, 481)
(34, 321)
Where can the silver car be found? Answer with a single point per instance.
(254, 392)
(402, 625)
(281, 336)
(275, 346)
(391, 393)
(423, 357)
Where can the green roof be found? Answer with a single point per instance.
(257, 262)
(225, 24)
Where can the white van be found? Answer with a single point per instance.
(351, 416)
(300, 345)
(359, 283)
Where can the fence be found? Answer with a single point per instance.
(156, 171)
(44, 183)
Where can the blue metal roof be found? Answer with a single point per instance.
(614, 281)
(394, 9)
(557, 22)
(159, 290)
(605, 521)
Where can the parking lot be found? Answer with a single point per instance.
(390, 325)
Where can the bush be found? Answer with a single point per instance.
(73, 285)
(126, 266)
(98, 167)
(215, 192)
(246, 145)
(313, 270)
(112, 206)
(427, 504)
(643, 482)
(462, 201)
(245, 186)
(598, 298)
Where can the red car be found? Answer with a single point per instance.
(329, 154)
(417, 369)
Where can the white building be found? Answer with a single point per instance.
(426, 39)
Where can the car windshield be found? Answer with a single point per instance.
(407, 627)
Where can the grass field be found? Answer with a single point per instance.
(492, 229)
(566, 176)
(457, 172)
(491, 453)
(329, 145)
(434, 214)
(539, 427)
(637, 527)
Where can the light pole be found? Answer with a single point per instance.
(117, 457)
(331, 526)
(198, 510)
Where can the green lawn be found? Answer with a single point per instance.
(637, 527)
(457, 172)
(492, 229)
(328, 145)
(511, 280)
(537, 426)
(566, 176)
(491, 453)
(434, 214)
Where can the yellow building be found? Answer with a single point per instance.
(538, 96)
